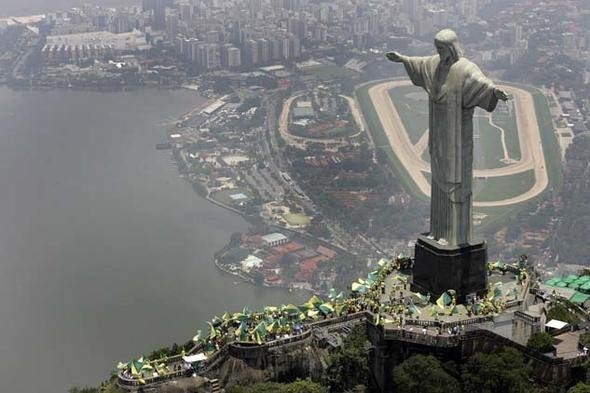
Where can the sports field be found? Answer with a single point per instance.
(297, 219)
(232, 197)
(496, 188)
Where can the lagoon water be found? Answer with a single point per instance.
(105, 253)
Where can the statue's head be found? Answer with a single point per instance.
(447, 45)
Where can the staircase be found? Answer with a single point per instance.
(215, 386)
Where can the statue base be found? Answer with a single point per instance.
(438, 268)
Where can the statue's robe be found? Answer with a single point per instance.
(453, 92)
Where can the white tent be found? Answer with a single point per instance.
(555, 324)
(199, 357)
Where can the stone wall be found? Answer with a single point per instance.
(300, 358)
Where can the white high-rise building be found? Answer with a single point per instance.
(234, 57)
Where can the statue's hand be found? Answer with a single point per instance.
(394, 56)
(501, 95)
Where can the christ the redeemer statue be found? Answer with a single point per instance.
(455, 86)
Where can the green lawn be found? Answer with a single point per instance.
(341, 132)
(223, 196)
(296, 219)
(411, 103)
(490, 142)
(498, 188)
(550, 144)
(507, 120)
(336, 132)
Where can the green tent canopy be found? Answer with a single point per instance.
(552, 281)
(335, 295)
(423, 298)
(242, 332)
(340, 308)
(570, 278)
(454, 311)
(359, 287)
(413, 310)
(315, 300)
(584, 278)
(579, 298)
(291, 309)
(561, 284)
(573, 285)
(372, 277)
(444, 300)
(326, 308)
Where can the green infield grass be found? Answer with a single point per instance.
(505, 118)
(411, 103)
(503, 187)
(488, 138)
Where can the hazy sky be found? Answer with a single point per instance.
(28, 7)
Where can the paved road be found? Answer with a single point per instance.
(532, 156)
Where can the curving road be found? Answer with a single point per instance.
(532, 156)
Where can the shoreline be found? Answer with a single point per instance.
(201, 189)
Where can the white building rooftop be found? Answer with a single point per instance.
(251, 262)
(274, 237)
(556, 324)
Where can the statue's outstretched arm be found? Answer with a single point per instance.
(395, 57)
(501, 94)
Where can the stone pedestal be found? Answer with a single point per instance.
(438, 268)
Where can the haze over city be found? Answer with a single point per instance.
(202, 195)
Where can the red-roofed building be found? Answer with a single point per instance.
(292, 246)
(306, 270)
(306, 253)
(287, 247)
(308, 267)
